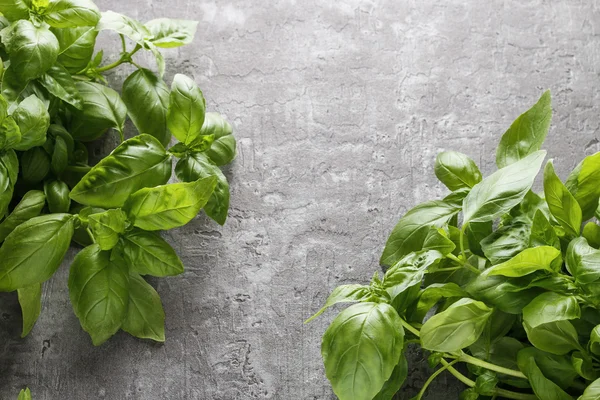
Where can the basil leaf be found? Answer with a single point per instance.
(107, 227)
(15, 9)
(412, 229)
(459, 326)
(477, 232)
(145, 317)
(168, 206)
(526, 262)
(99, 291)
(591, 233)
(581, 182)
(136, 163)
(102, 108)
(33, 120)
(594, 343)
(409, 271)
(76, 47)
(24, 394)
(223, 150)
(34, 250)
(344, 294)
(10, 135)
(30, 206)
(147, 99)
(551, 307)
(149, 254)
(526, 134)
(71, 13)
(501, 293)
(506, 242)
(168, 33)
(583, 262)
(503, 352)
(501, 191)
(58, 81)
(562, 204)
(558, 337)
(9, 168)
(394, 383)
(30, 299)
(124, 25)
(374, 333)
(197, 165)
(556, 368)
(431, 295)
(542, 386)
(583, 366)
(186, 109)
(57, 196)
(437, 239)
(542, 232)
(456, 170)
(32, 50)
(35, 165)
(592, 392)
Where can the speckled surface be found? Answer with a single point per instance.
(339, 108)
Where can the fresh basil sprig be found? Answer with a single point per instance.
(494, 275)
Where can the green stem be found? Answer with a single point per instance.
(463, 263)
(125, 58)
(123, 44)
(432, 377)
(462, 241)
(410, 328)
(89, 231)
(493, 367)
(448, 269)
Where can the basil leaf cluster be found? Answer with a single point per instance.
(495, 275)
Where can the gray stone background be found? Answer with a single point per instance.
(339, 108)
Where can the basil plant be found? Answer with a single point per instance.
(494, 276)
(53, 100)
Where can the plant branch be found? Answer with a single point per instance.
(432, 377)
(125, 58)
(463, 263)
(410, 328)
(493, 367)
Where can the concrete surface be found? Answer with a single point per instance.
(339, 108)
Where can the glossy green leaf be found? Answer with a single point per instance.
(506, 242)
(124, 25)
(456, 170)
(9, 168)
(99, 291)
(437, 239)
(35, 165)
(25, 394)
(459, 326)
(57, 196)
(149, 254)
(186, 109)
(583, 262)
(223, 150)
(10, 134)
(582, 183)
(526, 262)
(501, 293)
(542, 386)
(76, 47)
(145, 317)
(431, 295)
(60, 157)
(15, 9)
(135, 164)
(344, 294)
(30, 206)
(502, 352)
(583, 365)
(542, 232)
(33, 120)
(591, 233)
(71, 13)
(501, 191)
(58, 81)
(592, 392)
(30, 299)
(361, 348)
(551, 307)
(559, 337)
(169, 206)
(561, 202)
(167, 33)
(409, 271)
(34, 250)
(395, 382)
(147, 99)
(107, 227)
(594, 344)
(476, 233)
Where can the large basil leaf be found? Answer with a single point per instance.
(583, 262)
(344, 294)
(33, 120)
(15, 9)
(58, 81)
(147, 99)
(169, 206)
(501, 191)
(149, 254)
(550, 307)
(145, 317)
(102, 108)
(136, 163)
(556, 368)
(30, 299)
(76, 47)
(30, 206)
(187, 107)
(34, 250)
(71, 13)
(412, 229)
(394, 383)
(456, 170)
(526, 134)
(361, 348)
(99, 291)
(197, 165)
(558, 337)
(457, 327)
(542, 386)
(526, 262)
(506, 242)
(592, 392)
(32, 50)
(501, 293)
(582, 183)
(561, 202)
(107, 227)
(167, 33)
(9, 168)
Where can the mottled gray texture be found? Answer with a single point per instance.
(339, 108)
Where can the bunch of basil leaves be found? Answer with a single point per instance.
(495, 276)
(53, 100)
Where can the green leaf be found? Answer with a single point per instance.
(437, 239)
(124, 25)
(147, 99)
(459, 326)
(344, 294)
(76, 47)
(57, 196)
(506, 242)
(30, 299)
(34, 250)
(15, 9)
(10, 134)
(583, 365)
(71, 13)
(33, 120)
(223, 150)
(145, 317)
(167, 33)
(60, 156)
(502, 352)
(102, 108)
(135, 164)
(148, 254)
(57, 80)
(542, 232)
(551, 307)
(526, 134)
(476, 233)
(32, 50)
(486, 383)
(431, 295)
(107, 227)
(186, 110)
(592, 392)
(583, 262)
(197, 165)
(558, 337)
(394, 383)
(456, 170)
(412, 229)
(30, 206)
(99, 291)
(35, 165)
(582, 183)
(409, 271)
(542, 386)
(501, 191)
(361, 348)
(594, 344)
(25, 394)
(168, 206)
(501, 293)
(526, 262)
(562, 204)
(9, 168)
(591, 233)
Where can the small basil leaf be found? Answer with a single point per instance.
(550, 307)
(107, 227)
(591, 232)
(344, 294)
(33, 120)
(592, 392)
(223, 150)
(9, 168)
(60, 156)
(594, 343)
(30, 206)
(186, 109)
(409, 271)
(30, 299)
(145, 318)
(506, 242)
(57, 80)
(581, 182)
(24, 394)
(149, 254)
(437, 239)
(561, 202)
(57, 196)
(526, 262)
(583, 365)
(35, 165)
(558, 337)
(71, 13)
(429, 297)
(542, 232)
(76, 47)
(168, 33)
(456, 170)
